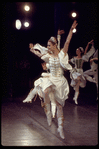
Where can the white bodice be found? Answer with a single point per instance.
(55, 67)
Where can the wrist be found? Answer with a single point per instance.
(32, 48)
(58, 36)
(71, 28)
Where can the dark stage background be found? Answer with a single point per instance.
(19, 66)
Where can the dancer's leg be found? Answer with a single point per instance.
(53, 103)
(88, 74)
(60, 119)
(46, 95)
(31, 95)
(53, 109)
(76, 91)
(47, 105)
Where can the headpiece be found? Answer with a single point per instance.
(53, 39)
(82, 50)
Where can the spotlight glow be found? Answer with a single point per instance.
(18, 24)
(74, 30)
(26, 24)
(74, 14)
(27, 8)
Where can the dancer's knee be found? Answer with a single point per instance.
(47, 90)
(46, 95)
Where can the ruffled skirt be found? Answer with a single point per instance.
(59, 86)
(74, 74)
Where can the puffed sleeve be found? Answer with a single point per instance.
(88, 54)
(64, 60)
(95, 54)
(45, 58)
(42, 49)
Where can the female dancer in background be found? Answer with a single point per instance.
(92, 74)
(56, 82)
(76, 74)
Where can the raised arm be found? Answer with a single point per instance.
(68, 39)
(60, 32)
(91, 42)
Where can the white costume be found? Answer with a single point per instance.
(77, 70)
(41, 82)
(93, 71)
(59, 86)
(54, 87)
(56, 78)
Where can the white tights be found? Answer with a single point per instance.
(47, 101)
(48, 112)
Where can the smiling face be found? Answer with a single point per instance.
(50, 46)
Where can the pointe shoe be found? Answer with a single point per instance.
(75, 97)
(75, 100)
(60, 127)
(31, 95)
(27, 100)
(60, 130)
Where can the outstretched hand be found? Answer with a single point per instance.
(60, 32)
(31, 45)
(91, 42)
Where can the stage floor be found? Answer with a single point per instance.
(25, 124)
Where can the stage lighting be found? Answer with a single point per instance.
(18, 24)
(27, 8)
(74, 30)
(74, 14)
(26, 24)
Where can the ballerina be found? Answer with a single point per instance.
(76, 74)
(56, 83)
(37, 90)
(94, 69)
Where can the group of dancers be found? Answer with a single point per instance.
(52, 87)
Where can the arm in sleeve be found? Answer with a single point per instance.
(45, 58)
(42, 49)
(58, 39)
(88, 54)
(64, 60)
